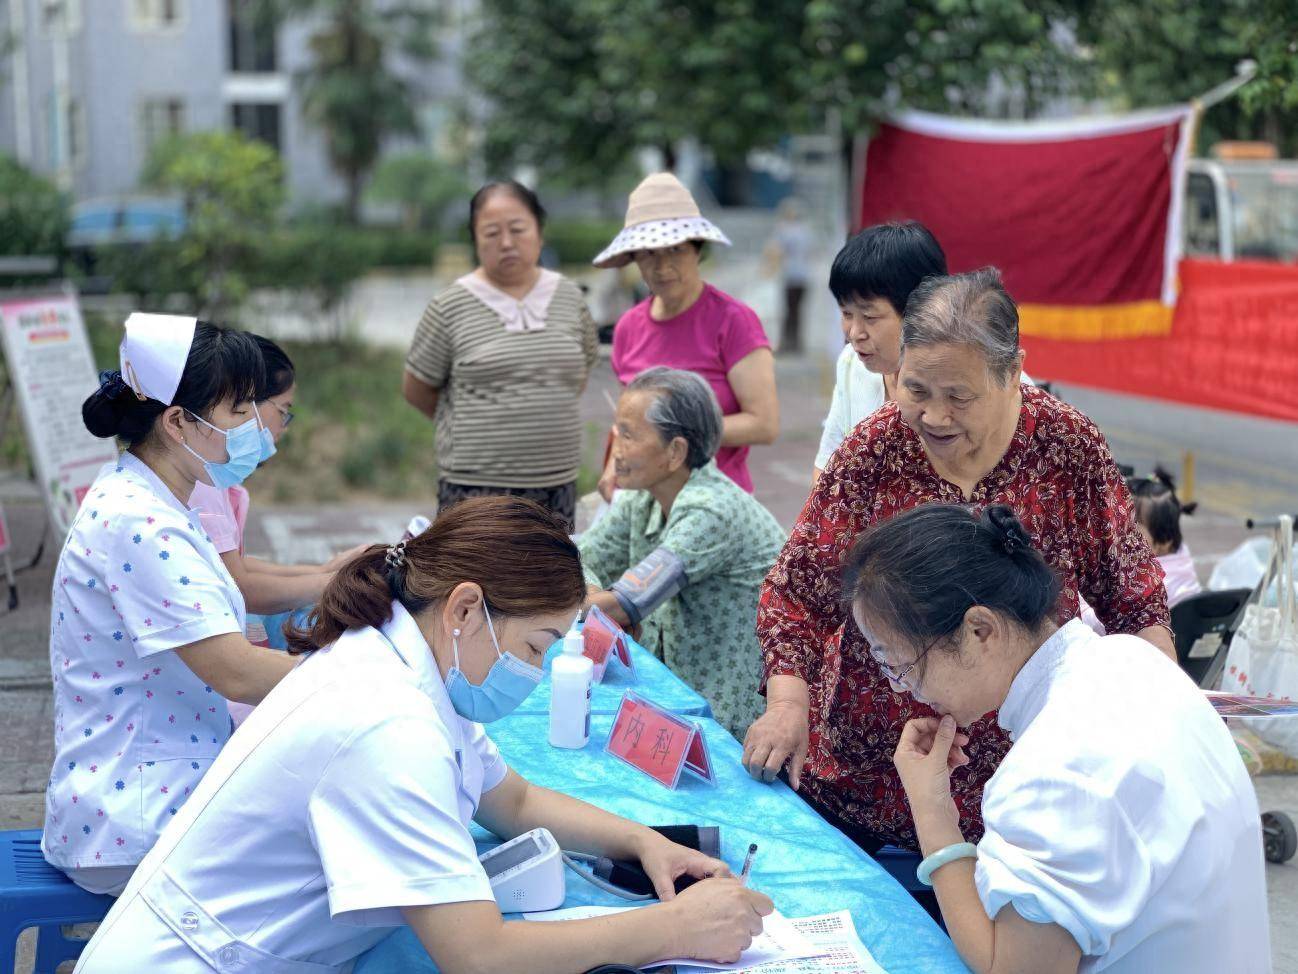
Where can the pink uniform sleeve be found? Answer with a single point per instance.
(239, 507)
(216, 517)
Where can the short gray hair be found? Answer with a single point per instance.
(684, 405)
(966, 309)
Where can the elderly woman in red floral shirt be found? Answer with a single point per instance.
(962, 430)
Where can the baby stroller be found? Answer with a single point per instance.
(1204, 626)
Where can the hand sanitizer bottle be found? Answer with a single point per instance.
(570, 678)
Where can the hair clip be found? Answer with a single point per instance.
(395, 558)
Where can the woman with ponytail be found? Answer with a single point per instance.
(147, 631)
(1121, 828)
(341, 808)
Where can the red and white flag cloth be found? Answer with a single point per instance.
(1082, 216)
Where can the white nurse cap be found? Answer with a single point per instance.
(154, 352)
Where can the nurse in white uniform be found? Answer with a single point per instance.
(341, 808)
(146, 629)
(1121, 828)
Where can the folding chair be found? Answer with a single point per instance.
(1203, 626)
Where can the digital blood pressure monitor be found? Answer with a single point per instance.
(526, 873)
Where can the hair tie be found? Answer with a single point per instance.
(395, 558)
(111, 383)
(1011, 544)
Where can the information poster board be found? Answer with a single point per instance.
(52, 372)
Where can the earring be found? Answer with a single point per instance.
(455, 632)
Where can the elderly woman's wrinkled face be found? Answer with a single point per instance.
(873, 328)
(640, 457)
(507, 237)
(953, 403)
(670, 272)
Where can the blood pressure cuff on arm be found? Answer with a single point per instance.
(644, 587)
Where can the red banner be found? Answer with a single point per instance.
(1233, 345)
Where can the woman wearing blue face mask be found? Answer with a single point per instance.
(269, 588)
(340, 809)
(147, 637)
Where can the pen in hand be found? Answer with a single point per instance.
(748, 864)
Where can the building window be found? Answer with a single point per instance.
(157, 14)
(160, 118)
(76, 133)
(60, 16)
(257, 121)
(252, 40)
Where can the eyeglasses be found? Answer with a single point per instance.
(285, 416)
(895, 675)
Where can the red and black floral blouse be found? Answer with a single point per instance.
(1061, 480)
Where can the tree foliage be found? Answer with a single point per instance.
(354, 90)
(423, 185)
(579, 84)
(575, 86)
(1159, 52)
(232, 188)
(33, 213)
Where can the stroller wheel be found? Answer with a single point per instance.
(1279, 838)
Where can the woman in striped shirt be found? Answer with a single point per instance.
(499, 361)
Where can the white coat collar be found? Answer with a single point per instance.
(525, 315)
(1028, 691)
(403, 634)
(129, 461)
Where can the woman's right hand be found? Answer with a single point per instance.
(717, 919)
(778, 736)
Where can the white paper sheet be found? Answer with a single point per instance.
(834, 935)
(779, 942)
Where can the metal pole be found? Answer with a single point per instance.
(1245, 71)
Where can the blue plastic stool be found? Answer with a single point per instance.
(35, 894)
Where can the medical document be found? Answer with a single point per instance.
(834, 936)
(779, 943)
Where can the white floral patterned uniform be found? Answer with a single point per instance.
(134, 728)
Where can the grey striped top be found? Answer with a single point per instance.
(507, 415)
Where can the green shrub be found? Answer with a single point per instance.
(33, 213)
(578, 241)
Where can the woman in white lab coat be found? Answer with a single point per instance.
(341, 808)
(147, 630)
(1121, 830)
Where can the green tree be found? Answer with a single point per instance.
(1164, 51)
(422, 184)
(233, 189)
(577, 85)
(352, 90)
(33, 213)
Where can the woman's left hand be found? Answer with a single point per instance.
(929, 750)
(664, 861)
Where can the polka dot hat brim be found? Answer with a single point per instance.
(657, 233)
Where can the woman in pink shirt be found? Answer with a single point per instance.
(689, 324)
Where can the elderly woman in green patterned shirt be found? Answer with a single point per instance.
(683, 550)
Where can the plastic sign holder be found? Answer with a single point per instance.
(657, 742)
(605, 641)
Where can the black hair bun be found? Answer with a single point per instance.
(115, 410)
(1007, 529)
(104, 409)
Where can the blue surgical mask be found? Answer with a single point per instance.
(243, 453)
(267, 441)
(508, 683)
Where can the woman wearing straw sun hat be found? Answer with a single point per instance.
(687, 323)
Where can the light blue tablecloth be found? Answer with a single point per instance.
(653, 679)
(803, 864)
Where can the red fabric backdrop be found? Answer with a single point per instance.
(1233, 345)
